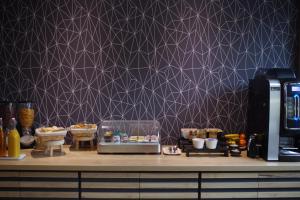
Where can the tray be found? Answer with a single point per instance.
(21, 157)
(220, 150)
(187, 147)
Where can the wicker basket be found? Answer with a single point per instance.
(42, 140)
(43, 137)
(82, 132)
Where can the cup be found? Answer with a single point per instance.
(198, 143)
(211, 143)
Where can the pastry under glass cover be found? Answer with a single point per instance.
(129, 136)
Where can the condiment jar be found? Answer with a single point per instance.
(13, 140)
(3, 151)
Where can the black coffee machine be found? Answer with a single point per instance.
(274, 113)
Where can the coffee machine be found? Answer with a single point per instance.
(274, 113)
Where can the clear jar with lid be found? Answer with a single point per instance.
(26, 114)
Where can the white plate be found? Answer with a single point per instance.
(38, 132)
(21, 157)
(167, 152)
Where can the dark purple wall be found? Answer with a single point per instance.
(184, 63)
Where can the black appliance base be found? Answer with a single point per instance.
(289, 158)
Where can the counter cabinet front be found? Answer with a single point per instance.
(148, 185)
(88, 175)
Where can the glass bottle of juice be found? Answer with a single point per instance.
(13, 140)
(3, 151)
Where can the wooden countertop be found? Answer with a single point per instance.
(91, 161)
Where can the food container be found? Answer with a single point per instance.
(211, 143)
(188, 133)
(26, 119)
(129, 136)
(198, 143)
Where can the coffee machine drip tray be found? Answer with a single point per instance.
(289, 155)
(289, 152)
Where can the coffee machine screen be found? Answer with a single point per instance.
(292, 106)
(295, 88)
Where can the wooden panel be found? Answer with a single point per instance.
(177, 185)
(9, 194)
(9, 184)
(108, 175)
(49, 184)
(50, 174)
(279, 185)
(109, 185)
(228, 195)
(229, 175)
(279, 175)
(282, 194)
(169, 175)
(171, 185)
(229, 185)
(9, 174)
(46, 184)
(112, 195)
(54, 194)
(168, 195)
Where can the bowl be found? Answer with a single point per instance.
(198, 143)
(185, 132)
(85, 131)
(211, 143)
(27, 140)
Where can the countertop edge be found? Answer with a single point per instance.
(150, 168)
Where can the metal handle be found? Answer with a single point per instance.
(296, 106)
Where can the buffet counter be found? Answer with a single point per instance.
(88, 175)
(91, 161)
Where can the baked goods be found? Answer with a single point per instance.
(133, 138)
(141, 139)
(51, 129)
(201, 133)
(232, 139)
(84, 125)
(153, 138)
(213, 132)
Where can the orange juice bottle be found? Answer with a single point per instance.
(13, 140)
(3, 151)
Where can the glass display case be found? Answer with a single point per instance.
(129, 136)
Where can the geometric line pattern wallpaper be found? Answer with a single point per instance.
(185, 63)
